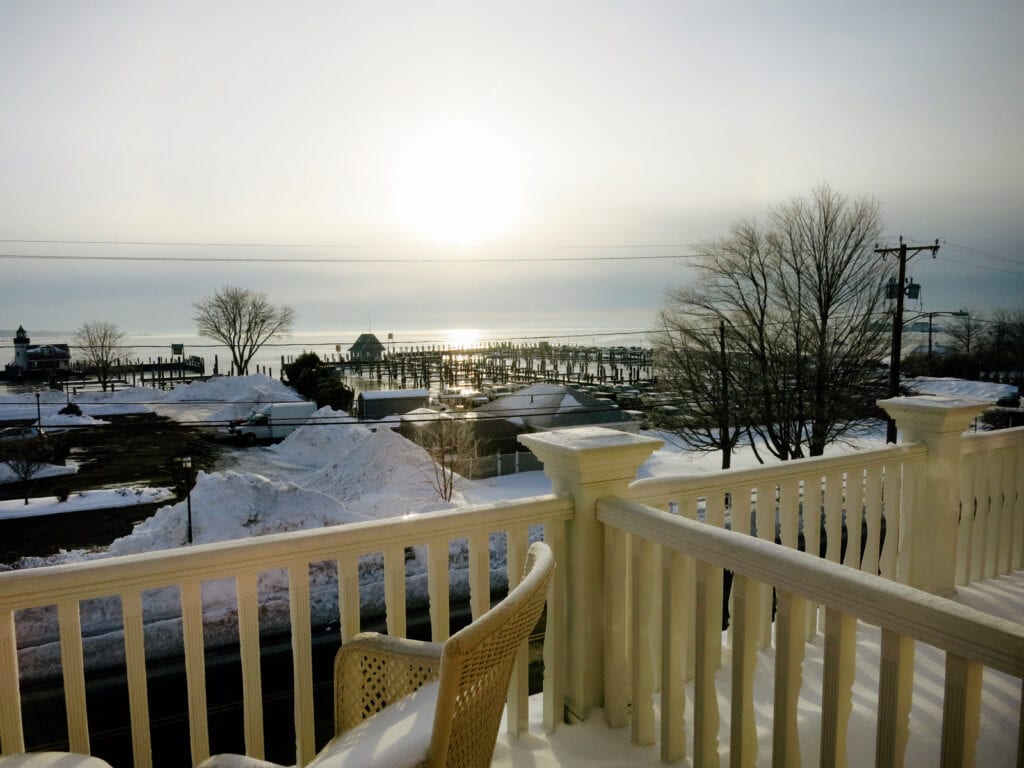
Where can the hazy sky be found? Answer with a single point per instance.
(476, 130)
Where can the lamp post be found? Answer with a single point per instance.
(186, 467)
(39, 413)
(931, 317)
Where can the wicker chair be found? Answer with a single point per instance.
(404, 703)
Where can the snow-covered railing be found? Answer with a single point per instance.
(129, 578)
(660, 568)
(990, 540)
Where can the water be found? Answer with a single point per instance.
(330, 345)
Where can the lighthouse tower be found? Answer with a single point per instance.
(21, 341)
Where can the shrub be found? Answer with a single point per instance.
(61, 492)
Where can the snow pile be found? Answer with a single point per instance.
(988, 392)
(383, 465)
(328, 435)
(224, 398)
(228, 506)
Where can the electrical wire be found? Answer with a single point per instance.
(354, 246)
(344, 260)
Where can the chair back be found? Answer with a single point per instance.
(476, 665)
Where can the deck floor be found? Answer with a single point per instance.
(593, 744)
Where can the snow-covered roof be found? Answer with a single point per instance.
(395, 394)
(549, 406)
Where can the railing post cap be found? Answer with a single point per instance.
(591, 454)
(943, 412)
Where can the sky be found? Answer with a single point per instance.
(362, 162)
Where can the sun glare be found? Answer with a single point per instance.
(458, 185)
(462, 338)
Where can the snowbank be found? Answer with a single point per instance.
(984, 391)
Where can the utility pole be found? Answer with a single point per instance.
(905, 253)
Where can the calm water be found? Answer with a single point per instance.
(331, 344)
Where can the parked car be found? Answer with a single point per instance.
(274, 421)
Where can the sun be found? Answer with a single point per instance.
(463, 338)
(458, 184)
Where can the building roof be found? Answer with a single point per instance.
(367, 342)
(551, 406)
(395, 394)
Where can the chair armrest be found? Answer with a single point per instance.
(373, 670)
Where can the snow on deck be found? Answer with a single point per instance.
(593, 744)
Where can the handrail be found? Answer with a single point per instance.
(79, 581)
(129, 576)
(957, 629)
(726, 479)
(995, 439)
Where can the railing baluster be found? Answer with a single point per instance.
(348, 597)
(1018, 510)
(708, 621)
(995, 495)
(249, 651)
(479, 574)
(854, 509)
(135, 666)
(195, 668)
(518, 709)
(437, 589)
(302, 661)
(677, 583)
(961, 712)
(789, 656)
(642, 641)
(73, 667)
(554, 632)
(833, 500)
(891, 486)
(714, 586)
(744, 620)
(394, 590)
(873, 517)
(616, 620)
(812, 539)
(765, 517)
(12, 737)
(978, 528)
(837, 685)
(1006, 504)
(965, 528)
(895, 689)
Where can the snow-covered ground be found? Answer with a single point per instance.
(334, 471)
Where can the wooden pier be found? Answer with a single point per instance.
(502, 363)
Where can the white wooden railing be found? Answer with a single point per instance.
(614, 608)
(990, 540)
(130, 578)
(685, 558)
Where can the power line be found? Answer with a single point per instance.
(980, 266)
(353, 246)
(345, 260)
(983, 253)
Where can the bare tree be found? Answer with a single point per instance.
(452, 444)
(26, 457)
(799, 300)
(966, 331)
(242, 320)
(100, 347)
(694, 365)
